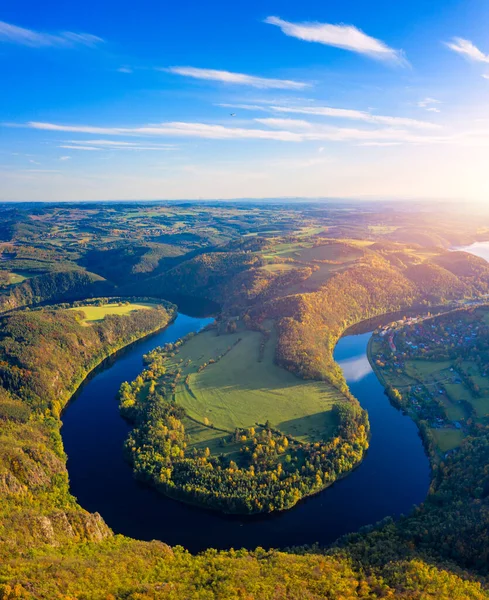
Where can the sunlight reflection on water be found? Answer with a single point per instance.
(356, 368)
(480, 249)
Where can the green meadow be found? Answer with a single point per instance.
(97, 313)
(241, 391)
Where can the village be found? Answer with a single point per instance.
(437, 368)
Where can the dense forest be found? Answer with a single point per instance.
(44, 355)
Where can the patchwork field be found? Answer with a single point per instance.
(326, 260)
(460, 398)
(307, 252)
(97, 313)
(241, 391)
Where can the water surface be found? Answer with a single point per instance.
(480, 249)
(393, 477)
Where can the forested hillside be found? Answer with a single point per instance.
(44, 355)
(312, 271)
(54, 287)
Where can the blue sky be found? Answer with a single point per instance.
(135, 100)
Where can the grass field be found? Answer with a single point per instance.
(17, 278)
(447, 439)
(239, 391)
(382, 229)
(434, 375)
(97, 313)
(337, 251)
(279, 267)
(308, 253)
(420, 369)
(305, 253)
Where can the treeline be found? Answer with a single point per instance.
(271, 471)
(54, 287)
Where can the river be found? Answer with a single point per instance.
(393, 477)
(480, 249)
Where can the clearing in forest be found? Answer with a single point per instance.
(239, 390)
(97, 313)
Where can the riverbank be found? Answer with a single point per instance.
(393, 476)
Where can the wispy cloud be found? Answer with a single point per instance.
(429, 104)
(65, 158)
(346, 37)
(114, 145)
(118, 143)
(284, 130)
(124, 70)
(36, 39)
(340, 113)
(467, 49)
(381, 144)
(286, 123)
(87, 148)
(171, 129)
(237, 78)
(309, 131)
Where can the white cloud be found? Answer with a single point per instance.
(358, 115)
(118, 143)
(285, 130)
(29, 37)
(113, 145)
(429, 104)
(467, 49)
(124, 70)
(65, 158)
(291, 123)
(175, 129)
(379, 144)
(346, 37)
(486, 75)
(70, 147)
(237, 78)
(341, 113)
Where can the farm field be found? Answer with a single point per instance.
(97, 313)
(447, 439)
(239, 391)
(10, 278)
(279, 267)
(307, 252)
(339, 254)
(17, 278)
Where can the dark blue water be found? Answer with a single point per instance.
(393, 477)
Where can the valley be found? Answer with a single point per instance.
(252, 415)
